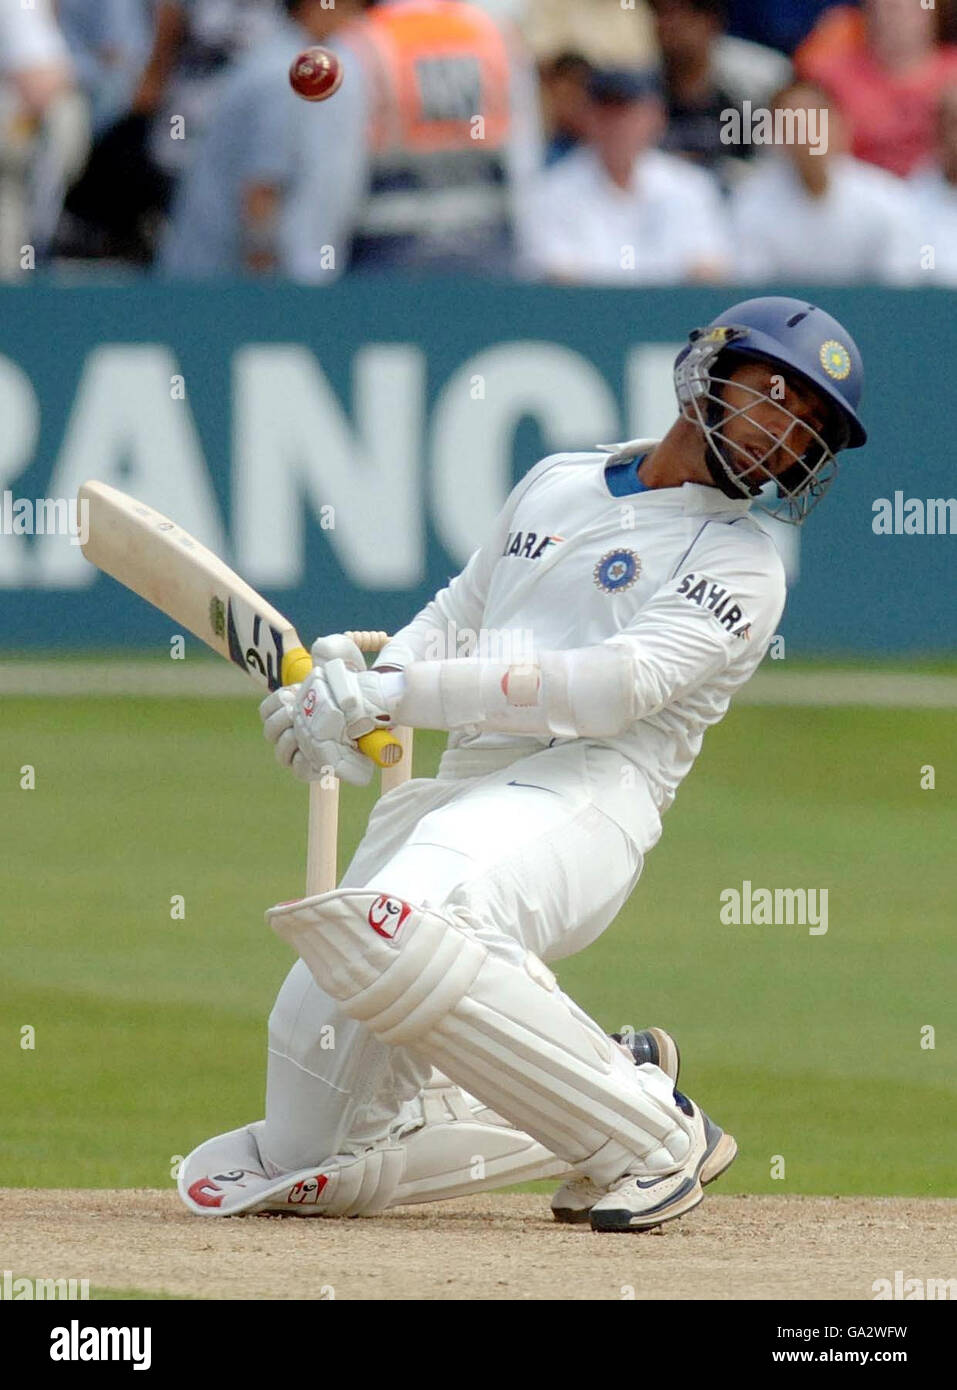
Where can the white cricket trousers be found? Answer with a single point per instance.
(536, 864)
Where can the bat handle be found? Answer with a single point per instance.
(380, 745)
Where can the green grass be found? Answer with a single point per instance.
(104, 1294)
(150, 1032)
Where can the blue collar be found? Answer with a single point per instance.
(622, 478)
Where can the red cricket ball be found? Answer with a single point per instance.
(315, 74)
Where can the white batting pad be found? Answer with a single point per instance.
(226, 1176)
(464, 1147)
(503, 1032)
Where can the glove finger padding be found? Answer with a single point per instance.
(286, 747)
(359, 697)
(321, 733)
(345, 763)
(276, 714)
(313, 726)
(337, 647)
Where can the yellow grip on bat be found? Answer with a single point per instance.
(381, 746)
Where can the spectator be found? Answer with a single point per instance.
(815, 215)
(455, 138)
(705, 74)
(44, 131)
(781, 24)
(885, 68)
(109, 43)
(389, 172)
(194, 42)
(935, 190)
(564, 94)
(118, 206)
(617, 211)
(277, 181)
(605, 31)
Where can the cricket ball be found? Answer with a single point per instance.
(315, 74)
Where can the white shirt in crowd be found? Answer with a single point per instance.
(663, 230)
(936, 202)
(29, 37)
(864, 226)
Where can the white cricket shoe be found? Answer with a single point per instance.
(574, 1200)
(636, 1203)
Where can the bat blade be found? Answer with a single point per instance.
(169, 568)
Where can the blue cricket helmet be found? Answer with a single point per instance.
(810, 342)
(803, 338)
(803, 341)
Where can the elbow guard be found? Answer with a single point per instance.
(587, 692)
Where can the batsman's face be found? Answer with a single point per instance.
(767, 410)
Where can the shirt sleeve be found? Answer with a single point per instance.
(717, 613)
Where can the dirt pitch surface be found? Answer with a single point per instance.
(484, 1247)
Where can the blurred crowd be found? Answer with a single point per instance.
(652, 142)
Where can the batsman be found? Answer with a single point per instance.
(421, 1048)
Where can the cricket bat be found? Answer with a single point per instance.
(161, 562)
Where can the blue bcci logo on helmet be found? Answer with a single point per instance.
(617, 570)
(835, 359)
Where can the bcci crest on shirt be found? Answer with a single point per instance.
(617, 570)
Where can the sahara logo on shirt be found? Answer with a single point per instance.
(719, 602)
(527, 544)
(617, 571)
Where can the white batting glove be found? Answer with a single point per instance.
(324, 752)
(359, 696)
(314, 726)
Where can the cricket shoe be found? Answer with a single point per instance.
(638, 1203)
(573, 1201)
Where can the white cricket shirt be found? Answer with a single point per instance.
(683, 576)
